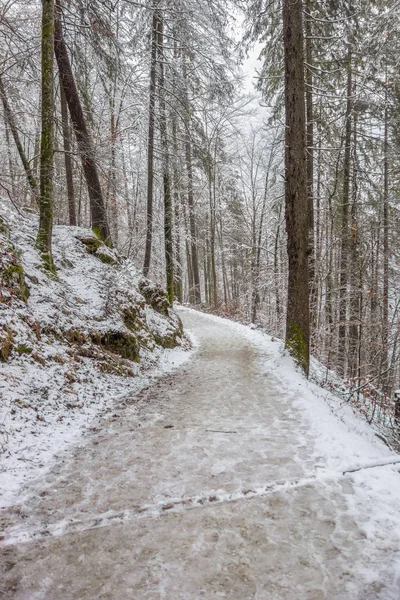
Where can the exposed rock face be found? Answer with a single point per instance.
(100, 304)
(12, 276)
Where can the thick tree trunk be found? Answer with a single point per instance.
(43, 240)
(310, 166)
(150, 146)
(9, 117)
(67, 158)
(83, 138)
(296, 197)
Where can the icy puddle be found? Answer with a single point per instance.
(210, 484)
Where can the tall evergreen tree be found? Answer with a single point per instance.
(296, 197)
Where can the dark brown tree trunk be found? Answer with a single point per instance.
(83, 138)
(296, 197)
(150, 146)
(67, 158)
(310, 166)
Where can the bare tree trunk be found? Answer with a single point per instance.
(10, 157)
(212, 265)
(67, 158)
(9, 117)
(385, 324)
(168, 213)
(83, 138)
(150, 146)
(355, 278)
(112, 194)
(46, 198)
(296, 197)
(177, 207)
(345, 225)
(190, 190)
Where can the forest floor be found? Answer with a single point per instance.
(225, 479)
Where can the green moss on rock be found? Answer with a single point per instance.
(97, 248)
(3, 228)
(134, 318)
(23, 349)
(167, 341)
(92, 244)
(6, 343)
(105, 258)
(14, 279)
(119, 342)
(155, 296)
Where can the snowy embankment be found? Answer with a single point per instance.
(71, 346)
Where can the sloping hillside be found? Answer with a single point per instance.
(71, 344)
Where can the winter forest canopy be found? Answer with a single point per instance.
(222, 146)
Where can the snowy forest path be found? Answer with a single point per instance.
(200, 486)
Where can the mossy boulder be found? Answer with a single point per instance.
(91, 243)
(134, 317)
(106, 257)
(3, 228)
(122, 343)
(155, 296)
(98, 249)
(13, 278)
(168, 340)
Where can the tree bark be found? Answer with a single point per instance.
(83, 138)
(43, 240)
(9, 116)
(345, 225)
(168, 212)
(310, 166)
(385, 323)
(296, 197)
(196, 292)
(67, 158)
(150, 146)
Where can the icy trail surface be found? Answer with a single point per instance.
(223, 480)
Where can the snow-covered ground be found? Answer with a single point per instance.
(232, 477)
(59, 375)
